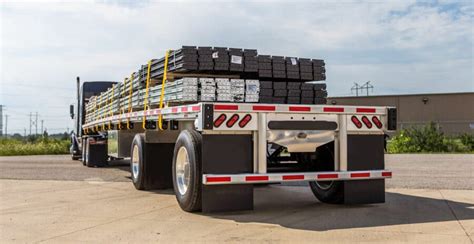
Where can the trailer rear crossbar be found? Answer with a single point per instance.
(225, 179)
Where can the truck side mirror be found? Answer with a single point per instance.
(71, 111)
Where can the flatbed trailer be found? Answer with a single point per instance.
(212, 154)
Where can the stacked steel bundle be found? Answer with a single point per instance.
(244, 62)
(216, 74)
(292, 92)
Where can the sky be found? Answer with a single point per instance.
(402, 47)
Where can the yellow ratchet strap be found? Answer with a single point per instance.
(104, 114)
(130, 107)
(111, 113)
(145, 103)
(122, 91)
(96, 113)
(165, 74)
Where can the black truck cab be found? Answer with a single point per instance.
(84, 92)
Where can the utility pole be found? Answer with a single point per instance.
(42, 131)
(30, 124)
(367, 86)
(6, 125)
(355, 87)
(36, 124)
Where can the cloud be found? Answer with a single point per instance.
(401, 46)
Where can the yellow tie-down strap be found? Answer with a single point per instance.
(120, 105)
(130, 107)
(111, 103)
(165, 77)
(96, 114)
(145, 106)
(145, 103)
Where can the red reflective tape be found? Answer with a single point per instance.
(300, 109)
(365, 110)
(328, 176)
(387, 174)
(293, 177)
(195, 108)
(226, 107)
(333, 109)
(256, 178)
(263, 108)
(184, 109)
(360, 175)
(218, 179)
(174, 110)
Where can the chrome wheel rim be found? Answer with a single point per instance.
(182, 170)
(135, 159)
(324, 185)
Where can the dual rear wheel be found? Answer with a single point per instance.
(187, 172)
(186, 168)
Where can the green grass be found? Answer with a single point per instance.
(33, 146)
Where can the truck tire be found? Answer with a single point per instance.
(323, 160)
(86, 153)
(137, 162)
(84, 147)
(187, 176)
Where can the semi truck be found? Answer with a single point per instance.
(212, 154)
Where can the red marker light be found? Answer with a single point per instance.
(356, 122)
(218, 122)
(366, 122)
(377, 122)
(245, 120)
(232, 120)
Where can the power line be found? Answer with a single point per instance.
(366, 86)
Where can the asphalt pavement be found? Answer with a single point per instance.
(56, 200)
(420, 171)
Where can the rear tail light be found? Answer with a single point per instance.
(377, 122)
(356, 122)
(245, 120)
(232, 120)
(218, 122)
(366, 122)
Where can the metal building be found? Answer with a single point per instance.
(452, 112)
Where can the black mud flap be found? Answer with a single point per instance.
(98, 155)
(227, 154)
(365, 152)
(159, 159)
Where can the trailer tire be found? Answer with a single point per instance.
(323, 160)
(137, 162)
(328, 191)
(84, 152)
(187, 176)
